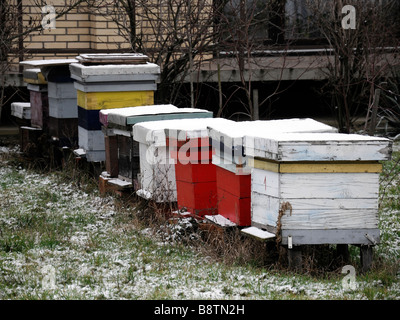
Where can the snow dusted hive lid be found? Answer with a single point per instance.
(113, 58)
(47, 63)
(157, 131)
(228, 139)
(133, 115)
(238, 130)
(119, 115)
(114, 72)
(316, 147)
(21, 110)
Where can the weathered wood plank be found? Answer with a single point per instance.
(63, 108)
(157, 172)
(34, 76)
(331, 203)
(316, 167)
(111, 100)
(334, 236)
(91, 139)
(320, 147)
(49, 62)
(331, 219)
(264, 210)
(329, 185)
(313, 213)
(113, 58)
(120, 73)
(265, 182)
(61, 90)
(258, 233)
(149, 85)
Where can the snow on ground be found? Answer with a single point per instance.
(97, 254)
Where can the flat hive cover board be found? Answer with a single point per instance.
(240, 129)
(119, 116)
(228, 139)
(156, 132)
(45, 63)
(112, 72)
(316, 147)
(113, 58)
(133, 115)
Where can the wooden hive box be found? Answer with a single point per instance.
(63, 110)
(185, 144)
(325, 184)
(64, 131)
(37, 86)
(119, 124)
(34, 76)
(102, 83)
(61, 117)
(233, 172)
(39, 106)
(21, 110)
(29, 138)
(122, 152)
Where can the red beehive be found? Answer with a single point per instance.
(234, 191)
(195, 176)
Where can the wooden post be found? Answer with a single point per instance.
(342, 251)
(256, 115)
(366, 253)
(295, 258)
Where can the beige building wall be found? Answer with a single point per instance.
(86, 29)
(80, 30)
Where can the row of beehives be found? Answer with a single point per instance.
(296, 175)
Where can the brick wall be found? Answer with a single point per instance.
(79, 29)
(85, 29)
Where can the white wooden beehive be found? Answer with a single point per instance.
(329, 180)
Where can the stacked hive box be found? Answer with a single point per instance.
(22, 111)
(107, 82)
(37, 86)
(316, 188)
(233, 173)
(62, 110)
(122, 152)
(180, 151)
